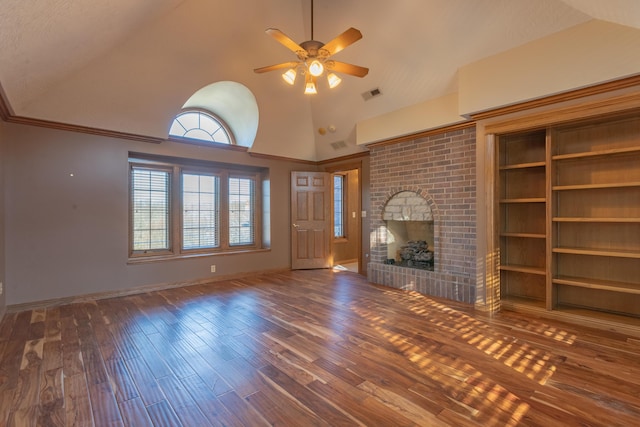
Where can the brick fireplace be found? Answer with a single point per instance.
(441, 171)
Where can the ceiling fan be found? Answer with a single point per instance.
(314, 58)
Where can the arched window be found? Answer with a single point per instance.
(202, 126)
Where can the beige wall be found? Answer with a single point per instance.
(582, 56)
(2, 222)
(68, 236)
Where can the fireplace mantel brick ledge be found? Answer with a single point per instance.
(442, 170)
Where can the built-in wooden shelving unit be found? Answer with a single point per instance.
(569, 207)
(522, 199)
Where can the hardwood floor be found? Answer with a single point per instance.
(307, 348)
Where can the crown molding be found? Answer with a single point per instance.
(424, 134)
(83, 129)
(347, 157)
(282, 158)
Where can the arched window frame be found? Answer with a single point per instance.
(223, 126)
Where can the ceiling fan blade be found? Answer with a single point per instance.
(343, 40)
(283, 39)
(353, 70)
(292, 64)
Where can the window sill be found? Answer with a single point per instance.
(163, 258)
(340, 240)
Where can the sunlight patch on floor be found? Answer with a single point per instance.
(351, 266)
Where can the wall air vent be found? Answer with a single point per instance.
(338, 145)
(370, 94)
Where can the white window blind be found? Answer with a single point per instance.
(150, 209)
(200, 212)
(191, 208)
(338, 206)
(241, 211)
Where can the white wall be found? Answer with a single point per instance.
(68, 236)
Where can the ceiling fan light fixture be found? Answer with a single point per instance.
(333, 80)
(310, 86)
(313, 58)
(290, 76)
(316, 68)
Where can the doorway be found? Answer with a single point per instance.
(326, 224)
(346, 208)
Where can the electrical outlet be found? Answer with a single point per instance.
(213, 268)
(1, 288)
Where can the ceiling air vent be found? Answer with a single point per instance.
(338, 145)
(370, 94)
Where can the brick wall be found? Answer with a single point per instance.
(441, 169)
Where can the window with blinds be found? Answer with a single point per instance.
(193, 207)
(241, 211)
(150, 209)
(200, 213)
(338, 206)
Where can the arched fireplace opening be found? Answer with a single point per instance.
(410, 231)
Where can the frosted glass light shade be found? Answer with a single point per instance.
(333, 80)
(316, 68)
(290, 76)
(310, 88)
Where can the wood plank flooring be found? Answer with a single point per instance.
(307, 348)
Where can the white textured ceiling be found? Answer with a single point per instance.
(130, 65)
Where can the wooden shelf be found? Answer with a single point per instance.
(627, 325)
(525, 235)
(523, 166)
(613, 151)
(605, 285)
(596, 220)
(588, 173)
(600, 319)
(595, 186)
(524, 269)
(525, 200)
(598, 252)
(511, 302)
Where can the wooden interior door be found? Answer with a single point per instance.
(311, 220)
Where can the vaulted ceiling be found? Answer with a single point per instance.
(130, 66)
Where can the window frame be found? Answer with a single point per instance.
(344, 178)
(199, 172)
(170, 231)
(255, 207)
(176, 169)
(223, 125)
